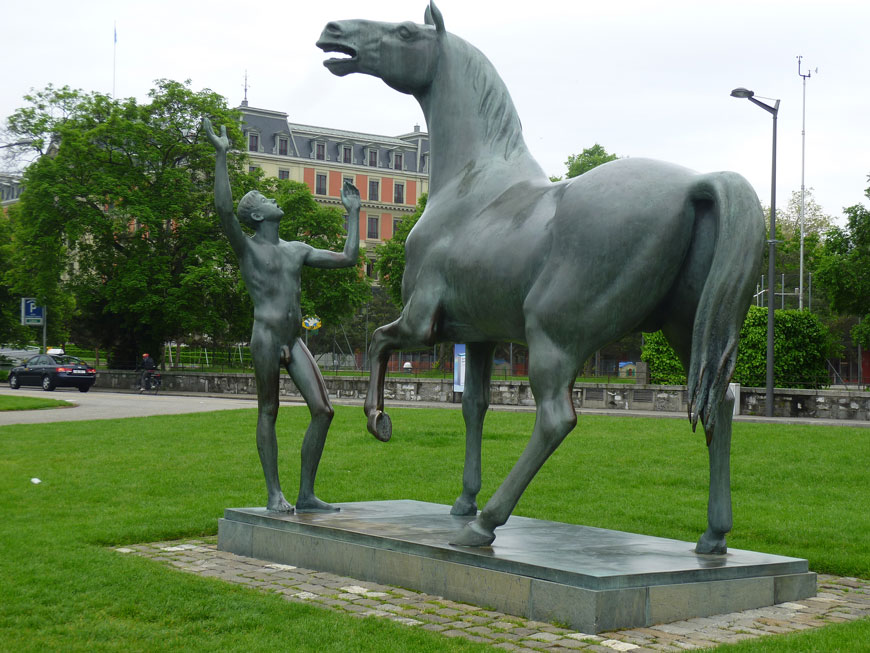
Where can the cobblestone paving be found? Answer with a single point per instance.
(838, 600)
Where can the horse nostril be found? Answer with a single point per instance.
(333, 29)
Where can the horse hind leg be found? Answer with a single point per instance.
(551, 375)
(475, 401)
(719, 516)
(719, 519)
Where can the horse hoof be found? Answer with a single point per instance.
(473, 535)
(380, 425)
(464, 508)
(711, 544)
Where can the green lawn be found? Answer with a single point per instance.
(798, 490)
(30, 403)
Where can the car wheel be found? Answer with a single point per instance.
(14, 383)
(47, 383)
(84, 388)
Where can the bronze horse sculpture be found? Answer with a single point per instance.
(501, 253)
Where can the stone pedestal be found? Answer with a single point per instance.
(591, 578)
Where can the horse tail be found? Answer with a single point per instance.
(727, 290)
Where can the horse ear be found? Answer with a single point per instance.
(433, 17)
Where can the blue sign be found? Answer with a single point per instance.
(31, 313)
(458, 368)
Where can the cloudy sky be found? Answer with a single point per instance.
(641, 78)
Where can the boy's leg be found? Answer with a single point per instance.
(306, 375)
(265, 352)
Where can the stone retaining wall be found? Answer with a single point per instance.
(830, 404)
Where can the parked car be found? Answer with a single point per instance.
(53, 371)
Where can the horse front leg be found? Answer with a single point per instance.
(551, 375)
(475, 402)
(415, 328)
(719, 518)
(384, 341)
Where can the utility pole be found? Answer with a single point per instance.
(805, 77)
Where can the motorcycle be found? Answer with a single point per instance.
(152, 383)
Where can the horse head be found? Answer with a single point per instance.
(404, 55)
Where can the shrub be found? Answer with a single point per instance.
(664, 366)
(801, 345)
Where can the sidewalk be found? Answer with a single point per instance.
(344, 401)
(838, 600)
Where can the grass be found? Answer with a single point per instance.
(798, 490)
(30, 403)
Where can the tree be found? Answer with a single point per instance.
(589, 158)
(121, 220)
(11, 331)
(844, 269)
(390, 262)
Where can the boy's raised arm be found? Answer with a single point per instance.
(323, 258)
(223, 196)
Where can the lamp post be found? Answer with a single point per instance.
(771, 243)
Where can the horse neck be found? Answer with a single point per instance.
(462, 136)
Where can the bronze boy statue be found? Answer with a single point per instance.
(271, 269)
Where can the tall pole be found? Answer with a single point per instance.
(771, 243)
(803, 187)
(114, 58)
(771, 270)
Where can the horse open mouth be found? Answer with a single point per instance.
(340, 65)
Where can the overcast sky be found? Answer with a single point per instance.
(641, 78)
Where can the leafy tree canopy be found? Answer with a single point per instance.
(589, 158)
(844, 269)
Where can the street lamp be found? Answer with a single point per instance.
(771, 243)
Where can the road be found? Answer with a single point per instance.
(112, 405)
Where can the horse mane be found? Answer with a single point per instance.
(496, 108)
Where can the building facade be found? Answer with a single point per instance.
(390, 172)
(10, 190)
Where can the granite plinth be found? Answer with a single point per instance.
(591, 578)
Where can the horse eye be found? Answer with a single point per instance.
(405, 32)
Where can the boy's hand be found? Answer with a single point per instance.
(221, 143)
(350, 197)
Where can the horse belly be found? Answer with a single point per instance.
(617, 249)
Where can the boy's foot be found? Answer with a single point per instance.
(313, 504)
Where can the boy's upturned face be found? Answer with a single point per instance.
(269, 208)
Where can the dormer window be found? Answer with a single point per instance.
(282, 146)
(373, 157)
(253, 142)
(346, 154)
(397, 161)
(320, 151)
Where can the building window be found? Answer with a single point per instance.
(373, 158)
(320, 185)
(253, 142)
(252, 168)
(321, 152)
(396, 223)
(373, 232)
(346, 154)
(373, 191)
(370, 269)
(282, 146)
(399, 193)
(283, 174)
(397, 161)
